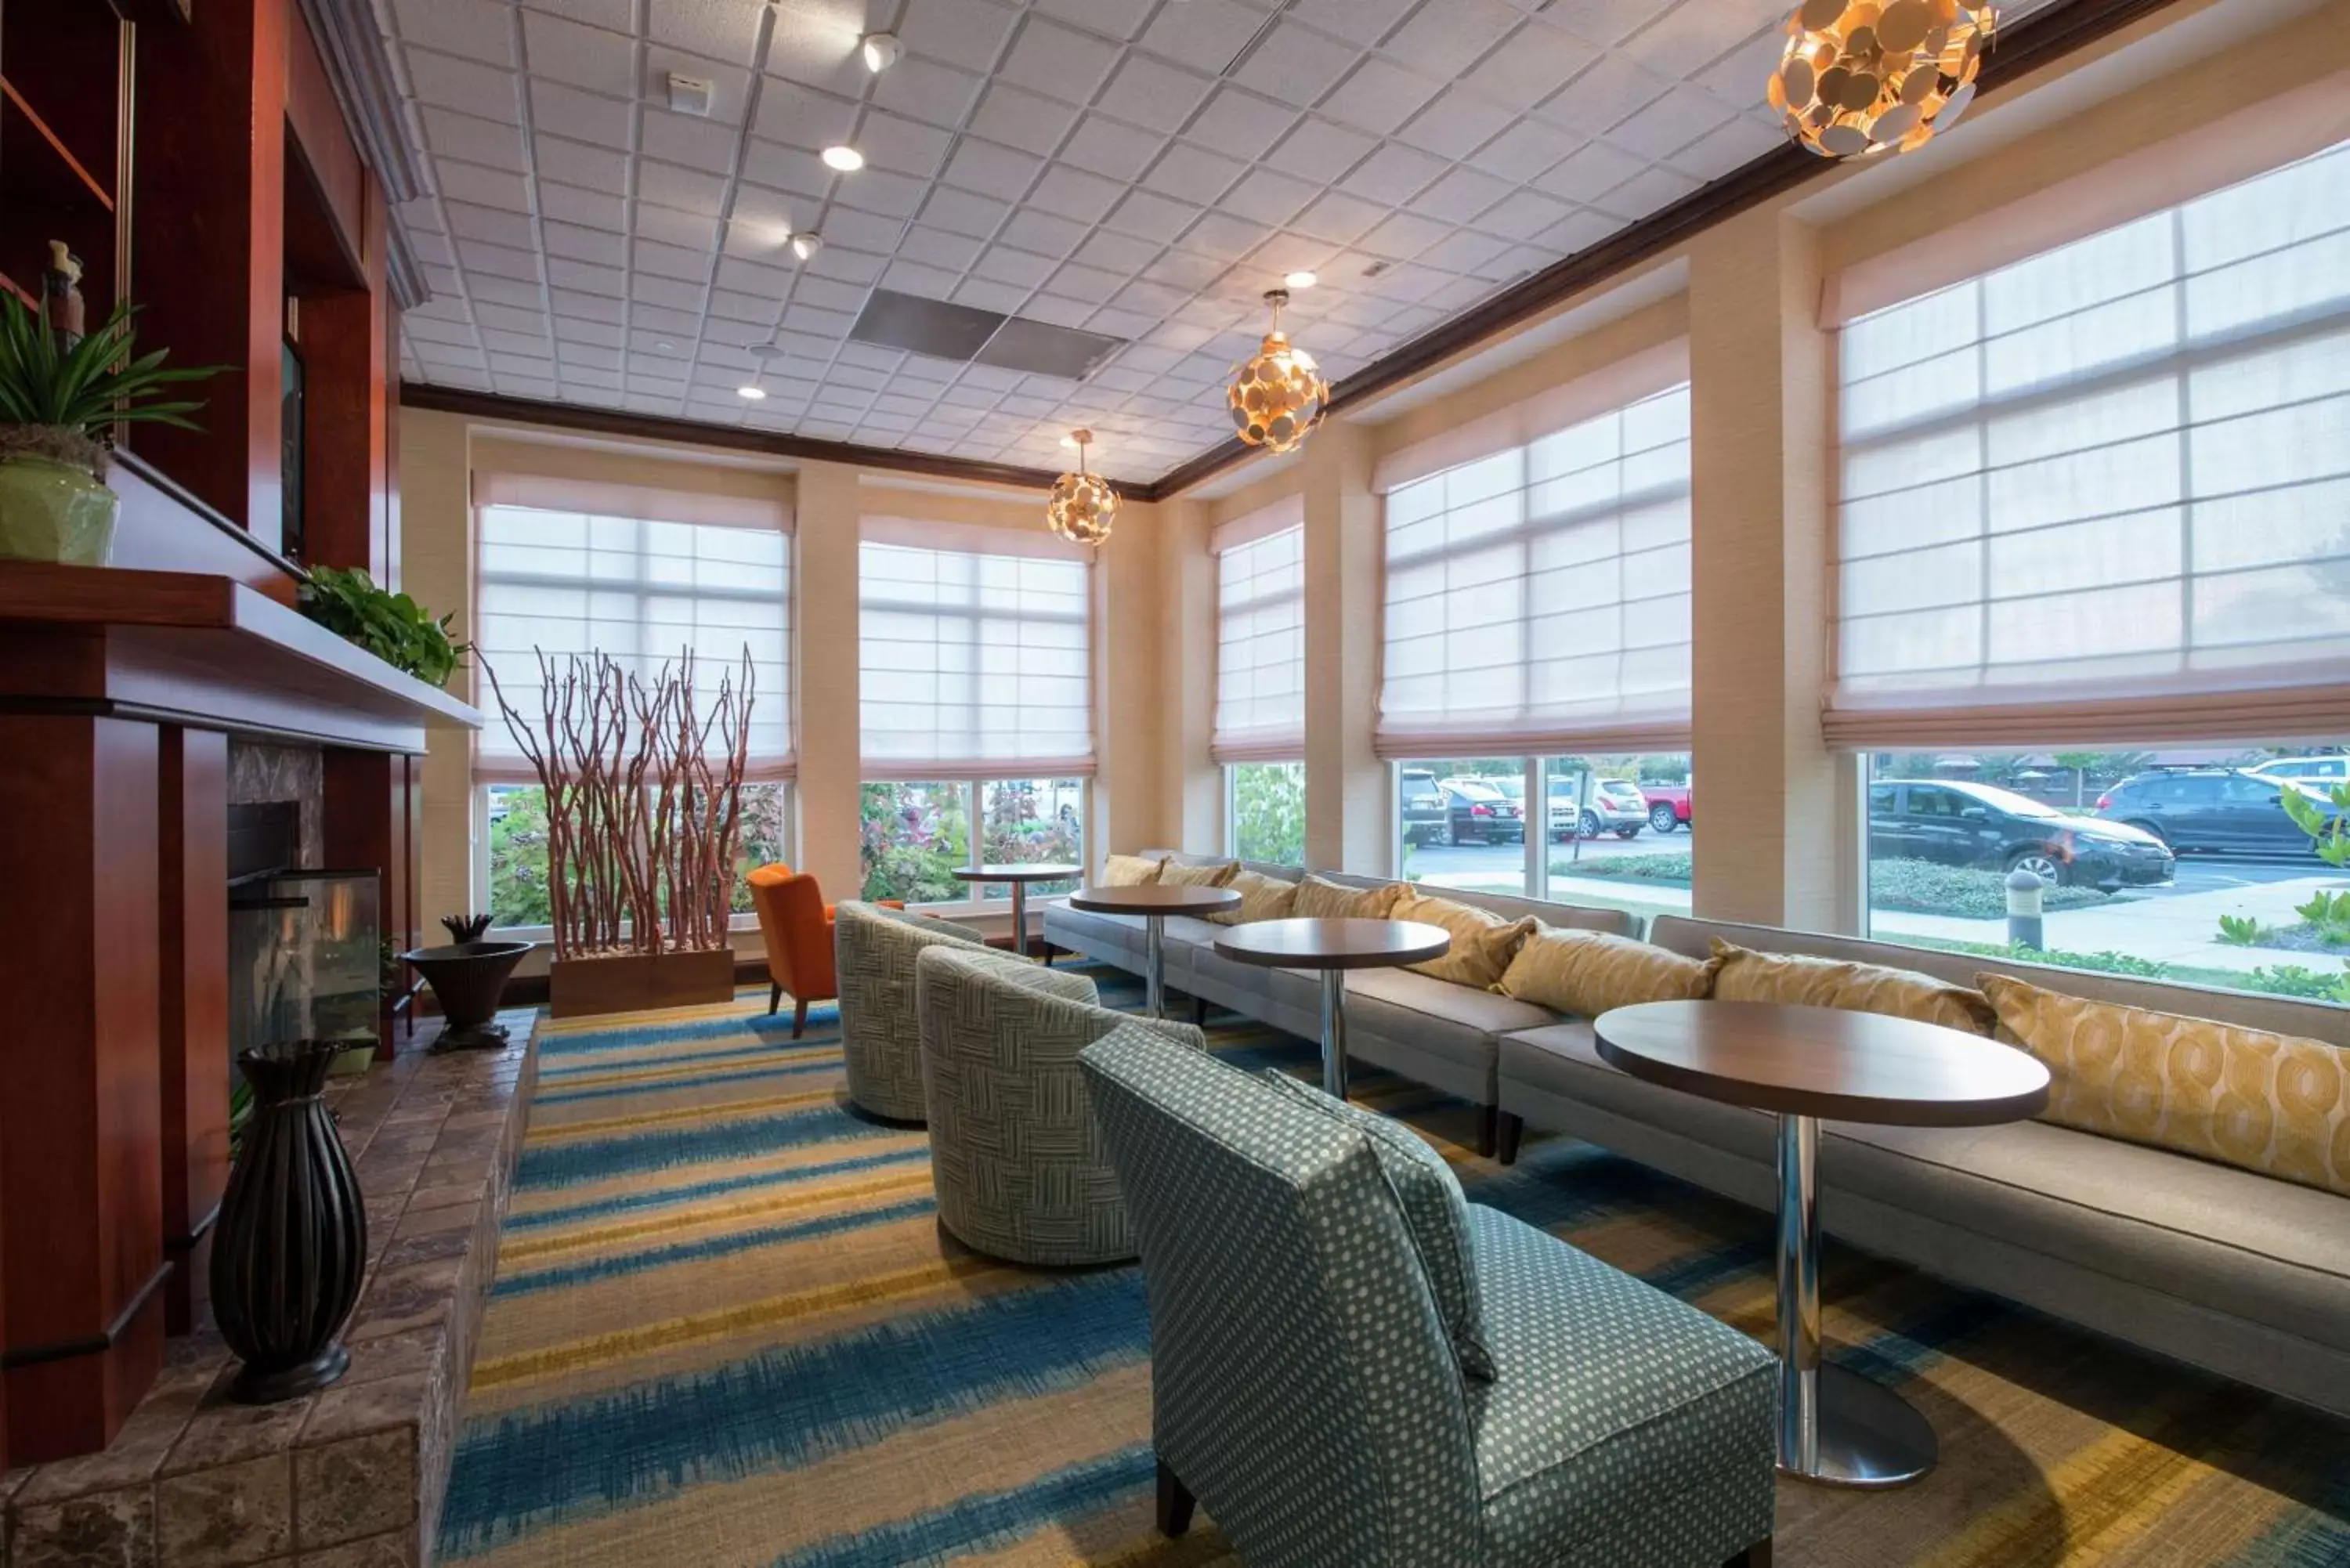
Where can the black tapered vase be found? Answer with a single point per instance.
(290, 1247)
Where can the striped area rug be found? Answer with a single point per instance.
(727, 1330)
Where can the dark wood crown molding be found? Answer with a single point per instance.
(2029, 46)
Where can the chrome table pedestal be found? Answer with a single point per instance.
(1834, 1426)
(1334, 1033)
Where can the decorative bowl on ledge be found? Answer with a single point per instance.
(468, 979)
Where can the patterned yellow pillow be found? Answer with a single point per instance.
(2268, 1103)
(1217, 875)
(1746, 976)
(1131, 871)
(1262, 898)
(1588, 972)
(1483, 943)
(1321, 899)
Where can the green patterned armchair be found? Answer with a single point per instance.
(1014, 1156)
(874, 950)
(1311, 1389)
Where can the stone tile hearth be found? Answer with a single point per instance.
(350, 1477)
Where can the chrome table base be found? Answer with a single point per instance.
(1834, 1426)
(1154, 967)
(1334, 1033)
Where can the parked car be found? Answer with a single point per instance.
(1668, 805)
(2222, 811)
(1952, 822)
(2321, 773)
(1614, 806)
(1423, 804)
(1477, 812)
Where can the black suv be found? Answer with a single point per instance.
(1956, 823)
(2219, 811)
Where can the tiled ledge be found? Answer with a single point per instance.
(351, 1477)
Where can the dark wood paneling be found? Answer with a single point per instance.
(191, 884)
(315, 122)
(163, 528)
(80, 1133)
(371, 801)
(207, 229)
(346, 359)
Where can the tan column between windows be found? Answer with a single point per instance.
(1346, 822)
(436, 552)
(1130, 794)
(824, 677)
(1187, 712)
(1762, 382)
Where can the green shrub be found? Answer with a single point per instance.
(1923, 888)
(2244, 931)
(2106, 962)
(2294, 980)
(1674, 869)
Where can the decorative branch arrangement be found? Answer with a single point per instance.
(643, 801)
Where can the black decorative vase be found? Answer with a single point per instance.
(468, 980)
(291, 1244)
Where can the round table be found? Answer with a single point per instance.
(1154, 902)
(1804, 1064)
(1019, 875)
(1333, 947)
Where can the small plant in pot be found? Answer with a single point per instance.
(391, 626)
(60, 400)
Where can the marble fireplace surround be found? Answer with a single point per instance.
(351, 1477)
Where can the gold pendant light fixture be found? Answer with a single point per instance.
(1083, 506)
(1865, 77)
(1280, 395)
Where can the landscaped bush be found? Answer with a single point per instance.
(1674, 870)
(2106, 963)
(1923, 888)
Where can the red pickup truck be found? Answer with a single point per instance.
(1668, 805)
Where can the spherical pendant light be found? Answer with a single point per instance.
(1083, 506)
(1865, 77)
(1278, 396)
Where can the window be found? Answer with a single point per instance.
(641, 590)
(515, 865)
(2176, 865)
(1622, 832)
(1265, 812)
(1261, 637)
(1540, 596)
(1462, 823)
(976, 695)
(2100, 493)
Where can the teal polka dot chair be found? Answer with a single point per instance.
(1307, 1388)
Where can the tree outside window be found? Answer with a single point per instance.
(1268, 811)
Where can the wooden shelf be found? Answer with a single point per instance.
(208, 651)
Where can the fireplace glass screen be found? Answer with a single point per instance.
(306, 958)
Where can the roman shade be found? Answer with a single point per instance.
(1537, 600)
(974, 664)
(596, 577)
(2102, 495)
(1261, 636)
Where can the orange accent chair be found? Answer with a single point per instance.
(795, 928)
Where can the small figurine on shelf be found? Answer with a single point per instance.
(61, 302)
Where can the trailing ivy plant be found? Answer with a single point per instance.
(392, 626)
(65, 404)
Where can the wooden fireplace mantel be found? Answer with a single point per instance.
(204, 651)
(119, 692)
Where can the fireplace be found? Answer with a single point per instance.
(305, 947)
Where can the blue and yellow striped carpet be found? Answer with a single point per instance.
(726, 1330)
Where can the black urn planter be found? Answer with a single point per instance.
(290, 1247)
(468, 979)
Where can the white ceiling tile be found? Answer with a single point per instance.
(1054, 308)
(1605, 21)
(684, 140)
(1537, 61)
(922, 89)
(1018, 118)
(1268, 197)
(1075, 194)
(1157, 95)
(473, 29)
(1455, 124)
(1460, 196)
(987, 169)
(719, 29)
(1338, 217)
(730, 85)
(1106, 147)
(1589, 173)
(964, 213)
(1152, 216)
(1202, 34)
(1739, 141)
(813, 49)
(576, 163)
(673, 226)
(1614, 87)
(1378, 97)
(686, 190)
(1057, 61)
(1295, 66)
(585, 117)
(1682, 116)
(1012, 266)
(1443, 39)
(1697, 32)
(475, 141)
(862, 231)
(1360, 21)
(1239, 123)
(968, 32)
(809, 120)
(1523, 215)
(1043, 232)
(485, 186)
(986, 294)
(1648, 192)
(1319, 150)
(938, 248)
(1524, 149)
(1403, 234)
(1192, 175)
(498, 261)
(586, 245)
(1119, 253)
(584, 56)
(903, 146)
(491, 92)
(790, 171)
(878, 191)
(585, 308)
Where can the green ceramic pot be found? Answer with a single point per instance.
(52, 511)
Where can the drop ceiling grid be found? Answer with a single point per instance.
(1074, 160)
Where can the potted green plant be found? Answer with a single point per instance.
(393, 626)
(58, 407)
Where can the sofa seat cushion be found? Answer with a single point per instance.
(1113, 933)
(2269, 1252)
(1609, 1398)
(1434, 1015)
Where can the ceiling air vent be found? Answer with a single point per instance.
(959, 332)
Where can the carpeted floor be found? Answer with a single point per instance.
(726, 1330)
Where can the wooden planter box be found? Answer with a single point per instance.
(631, 982)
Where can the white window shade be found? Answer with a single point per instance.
(1538, 601)
(2103, 494)
(642, 592)
(973, 665)
(1261, 649)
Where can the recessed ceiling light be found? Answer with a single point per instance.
(880, 52)
(1300, 280)
(753, 392)
(846, 159)
(1070, 441)
(807, 245)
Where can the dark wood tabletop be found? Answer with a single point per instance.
(1825, 1062)
(1333, 944)
(1152, 899)
(1017, 873)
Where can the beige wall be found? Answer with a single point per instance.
(1134, 804)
